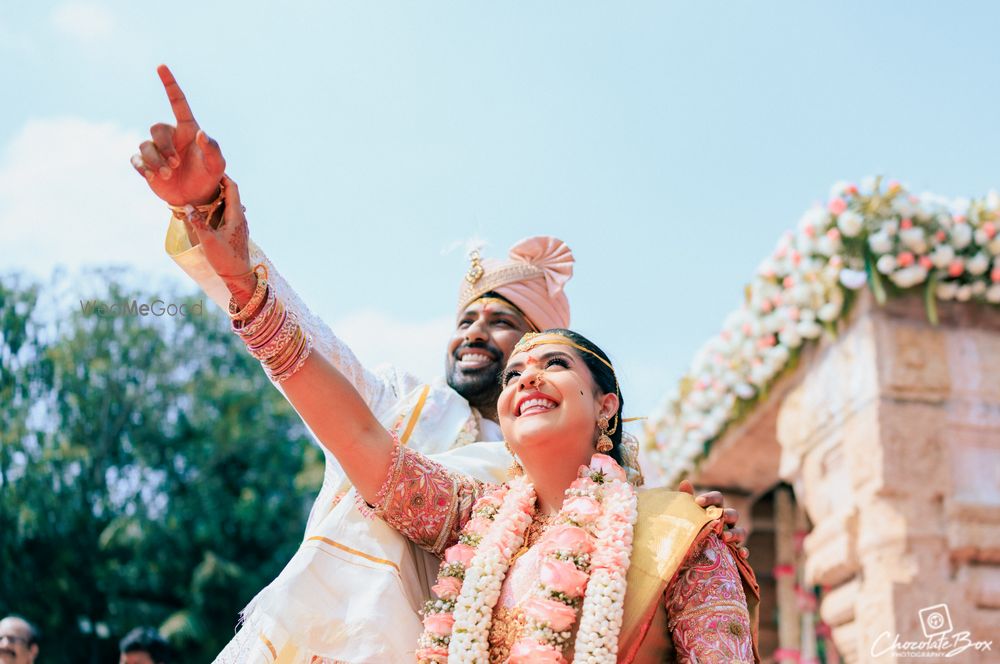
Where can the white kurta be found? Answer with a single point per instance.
(352, 590)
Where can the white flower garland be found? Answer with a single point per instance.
(485, 575)
(881, 236)
(457, 624)
(604, 602)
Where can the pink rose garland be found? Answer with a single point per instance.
(584, 559)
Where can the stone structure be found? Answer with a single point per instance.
(889, 437)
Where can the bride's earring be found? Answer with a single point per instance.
(515, 469)
(604, 443)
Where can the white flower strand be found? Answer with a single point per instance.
(604, 600)
(485, 575)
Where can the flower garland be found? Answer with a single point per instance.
(875, 234)
(604, 603)
(584, 559)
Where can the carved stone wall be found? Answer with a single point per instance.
(891, 440)
(890, 437)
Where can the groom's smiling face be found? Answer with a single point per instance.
(484, 337)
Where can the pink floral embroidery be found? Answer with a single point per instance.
(426, 502)
(707, 608)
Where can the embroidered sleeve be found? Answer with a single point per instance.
(706, 608)
(425, 501)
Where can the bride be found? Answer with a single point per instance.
(567, 560)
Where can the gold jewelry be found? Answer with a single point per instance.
(238, 314)
(538, 379)
(294, 355)
(476, 270)
(539, 524)
(252, 330)
(302, 354)
(532, 339)
(275, 346)
(604, 443)
(515, 469)
(202, 214)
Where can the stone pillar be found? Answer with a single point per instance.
(789, 617)
(891, 440)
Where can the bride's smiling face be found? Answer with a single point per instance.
(549, 394)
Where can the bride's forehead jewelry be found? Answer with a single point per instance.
(535, 339)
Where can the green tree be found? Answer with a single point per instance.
(149, 475)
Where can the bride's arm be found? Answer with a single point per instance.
(184, 166)
(425, 501)
(707, 612)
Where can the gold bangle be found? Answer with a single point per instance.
(298, 358)
(271, 338)
(238, 314)
(286, 355)
(201, 214)
(249, 328)
(264, 325)
(303, 356)
(254, 329)
(276, 345)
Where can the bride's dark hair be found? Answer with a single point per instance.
(604, 376)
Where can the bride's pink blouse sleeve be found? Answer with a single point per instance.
(707, 608)
(427, 503)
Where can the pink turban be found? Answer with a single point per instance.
(532, 278)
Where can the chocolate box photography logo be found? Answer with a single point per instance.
(935, 620)
(940, 638)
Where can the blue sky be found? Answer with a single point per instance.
(669, 144)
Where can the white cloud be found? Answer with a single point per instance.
(85, 21)
(377, 337)
(69, 196)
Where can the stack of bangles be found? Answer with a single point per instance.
(272, 334)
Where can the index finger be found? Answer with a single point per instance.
(178, 102)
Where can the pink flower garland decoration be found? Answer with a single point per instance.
(584, 559)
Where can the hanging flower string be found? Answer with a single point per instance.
(875, 234)
(584, 557)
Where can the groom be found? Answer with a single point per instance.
(350, 569)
